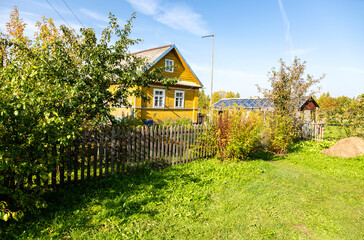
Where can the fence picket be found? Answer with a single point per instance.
(95, 151)
(61, 165)
(83, 154)
(118, 150)
(142, 146)
(55, 165)
(76, 155)
(101, 153)
(89, 153)
(178, 145)
(188, 144)
(106, 151)
(124, 149)
(151, 159)
(147, 143)
(129, 150)
(184, 131)
(159, 145)
(112, 151)
(133, 149)
(164, 145)
(69, 166)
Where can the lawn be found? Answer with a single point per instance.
(305, 195)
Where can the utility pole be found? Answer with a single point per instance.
(212, 64)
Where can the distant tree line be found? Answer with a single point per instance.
(343, 110)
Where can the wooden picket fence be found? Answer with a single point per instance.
(116, 150)
(313, 131)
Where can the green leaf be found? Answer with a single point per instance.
(6, 217)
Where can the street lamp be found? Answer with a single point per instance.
(212, 64)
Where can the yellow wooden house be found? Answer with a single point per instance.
(176, 101)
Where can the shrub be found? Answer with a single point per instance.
(235, 134)
(280, 132)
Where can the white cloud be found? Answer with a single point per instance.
(94, 15)
(148, 7)
(182, 17)
(300, 51)
(175, 15)
(287, 25)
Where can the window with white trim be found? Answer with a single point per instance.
(158, 98)
(179, 99)
(169, 65)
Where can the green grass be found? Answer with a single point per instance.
(334, 132)
(305, 195)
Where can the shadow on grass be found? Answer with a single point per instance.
(262, 155)
(118, 196)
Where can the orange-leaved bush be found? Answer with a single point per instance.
(235, 133)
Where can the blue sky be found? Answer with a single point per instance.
(250, 36)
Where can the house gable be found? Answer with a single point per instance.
(156, 58)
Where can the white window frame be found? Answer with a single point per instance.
(175, 99)
(168, 63)
(163, 98)
(119, 104)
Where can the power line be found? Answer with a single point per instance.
(73, 13)
(59, 14)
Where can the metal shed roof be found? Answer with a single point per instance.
(256, 103)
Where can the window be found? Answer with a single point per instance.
(120, 103)
(158, 98)
(179, 99)
(169, 65)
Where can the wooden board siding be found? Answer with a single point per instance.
(310, 106)
(190, 97)
(164, 114)
(181, 70)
